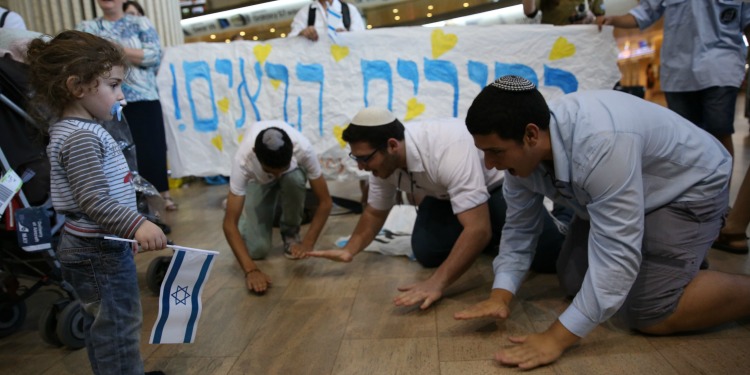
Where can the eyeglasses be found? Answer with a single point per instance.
(364, 159)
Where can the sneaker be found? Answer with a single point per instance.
(289, 238)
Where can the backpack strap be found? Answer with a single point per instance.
(311, 16)
(3, 17)
(345, 15)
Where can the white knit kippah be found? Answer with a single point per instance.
(273, 139)
(373, 116)
(513, 83)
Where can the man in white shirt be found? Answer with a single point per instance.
(461, 207)
(326, 17)
(273, 163)
(650, 192)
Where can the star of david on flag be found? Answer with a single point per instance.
(180, 297)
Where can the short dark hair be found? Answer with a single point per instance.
(375, 136)
(137, 6)
(506, 113)
(274, 148)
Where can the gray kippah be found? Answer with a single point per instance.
(513, 83)
(273, 139)
(373, 116)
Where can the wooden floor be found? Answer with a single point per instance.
(321, 317)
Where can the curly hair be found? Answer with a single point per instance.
(71, 53)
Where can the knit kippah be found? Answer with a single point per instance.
(373, 116)
(513, 83)
(273, 139)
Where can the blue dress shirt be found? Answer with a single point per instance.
(702, 45)
(616, 158)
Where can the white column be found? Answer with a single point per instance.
(53, 16)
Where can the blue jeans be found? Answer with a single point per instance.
(102, 273)
(676, 239)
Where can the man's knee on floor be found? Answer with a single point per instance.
(428, 257)
(659, 329)
(259, 251)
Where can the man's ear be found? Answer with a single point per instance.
(531, 134)
(73, 84)
(393, 144)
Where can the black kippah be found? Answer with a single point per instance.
(513, 83)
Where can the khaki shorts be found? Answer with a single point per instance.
(675, 244)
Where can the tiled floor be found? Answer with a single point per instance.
(321, 317)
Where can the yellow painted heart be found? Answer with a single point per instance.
(562, 49)
(223, 104)
(413, 109)
(337, 132)
(339, 52)
(261, 52)
(239, 139)
(442, 43)
(275, 83)
(217, 142)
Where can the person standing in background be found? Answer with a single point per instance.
(133, 8)
(140, 41)
(326, 16)
(564, 12)
(702, 57)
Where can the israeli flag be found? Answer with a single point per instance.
(180, 297)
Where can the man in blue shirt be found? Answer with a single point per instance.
(702, 57)
(649, 191)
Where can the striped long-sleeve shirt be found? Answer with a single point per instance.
(91, 182)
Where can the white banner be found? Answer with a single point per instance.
(211, 92)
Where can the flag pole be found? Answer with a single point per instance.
(169, 246)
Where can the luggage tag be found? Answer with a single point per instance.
(10, 184)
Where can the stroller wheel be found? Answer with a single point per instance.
(70, 326)
(157, 270)
(12, 315)
(48, 324)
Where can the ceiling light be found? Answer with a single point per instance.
(397, 18)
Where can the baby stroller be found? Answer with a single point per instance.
(30, 218)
